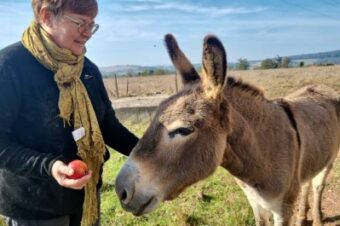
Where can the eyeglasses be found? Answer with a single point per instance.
(83, 26)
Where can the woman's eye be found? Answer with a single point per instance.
(183, 131)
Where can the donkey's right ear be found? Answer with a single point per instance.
(181, 63)
(214, 66)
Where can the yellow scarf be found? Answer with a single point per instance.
(73, 101)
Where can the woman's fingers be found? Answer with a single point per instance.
(77, 183)
(60, 171)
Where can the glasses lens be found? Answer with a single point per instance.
(86, 27)
(94, 28)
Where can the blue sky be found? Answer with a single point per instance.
(132, 31)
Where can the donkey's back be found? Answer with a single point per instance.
(316, 110)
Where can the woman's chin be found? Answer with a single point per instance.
(78, 51)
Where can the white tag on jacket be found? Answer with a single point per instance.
(86, 76)
(78, 133)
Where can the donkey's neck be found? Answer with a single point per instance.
(250, 153)
(242, 154)
(247, 100)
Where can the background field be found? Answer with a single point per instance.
(275, 82)
(216, 200)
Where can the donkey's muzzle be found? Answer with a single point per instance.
(133, 196)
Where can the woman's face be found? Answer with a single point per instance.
(66, 32)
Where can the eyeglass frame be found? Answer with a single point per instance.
(83, 26)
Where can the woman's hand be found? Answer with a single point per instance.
(60, 171)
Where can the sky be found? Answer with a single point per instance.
(132, 31)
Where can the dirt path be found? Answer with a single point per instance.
(137, 102)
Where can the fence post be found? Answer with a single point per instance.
(116, 85)
(127, 86)
(176, 82)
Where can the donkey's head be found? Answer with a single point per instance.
(187, 137)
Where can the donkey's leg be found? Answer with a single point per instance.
(318, 183)
(283, 217)
(283, 212)
(262, 216)
(301, 216)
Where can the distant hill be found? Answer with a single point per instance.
(324, 58)
(321, 55)
(120, 70)
(330, 57)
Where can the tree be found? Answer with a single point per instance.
(285, 62)
(161, 72)
(269, 64)
(278, 61)
(242, 64)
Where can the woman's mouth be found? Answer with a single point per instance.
(81, 43)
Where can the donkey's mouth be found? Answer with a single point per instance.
(148, 206)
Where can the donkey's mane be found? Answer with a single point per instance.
(245, 87)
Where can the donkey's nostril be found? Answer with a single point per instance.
(123, 195)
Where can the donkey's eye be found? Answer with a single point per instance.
(183, 131)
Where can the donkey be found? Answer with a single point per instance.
(271, 147)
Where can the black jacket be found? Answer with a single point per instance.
(32, 136)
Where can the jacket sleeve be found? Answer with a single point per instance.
(15, 157)
(114, 133)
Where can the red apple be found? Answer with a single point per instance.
(79, 167)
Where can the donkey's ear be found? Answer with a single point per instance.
(181, 63)
(214, 66)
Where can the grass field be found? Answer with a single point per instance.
(216, 200)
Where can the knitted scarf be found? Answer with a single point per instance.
(74, 104)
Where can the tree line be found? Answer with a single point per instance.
(278, 62)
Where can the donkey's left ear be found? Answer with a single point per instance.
(182, 64)
(214, 67)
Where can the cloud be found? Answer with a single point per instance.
(129, 28)
(125, 29)
(212, 11)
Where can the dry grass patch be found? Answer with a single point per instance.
(275, 82)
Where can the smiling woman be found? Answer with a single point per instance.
(70, 24)
(54, 78)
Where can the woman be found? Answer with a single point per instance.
(54, 109)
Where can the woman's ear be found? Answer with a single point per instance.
(45, 17)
